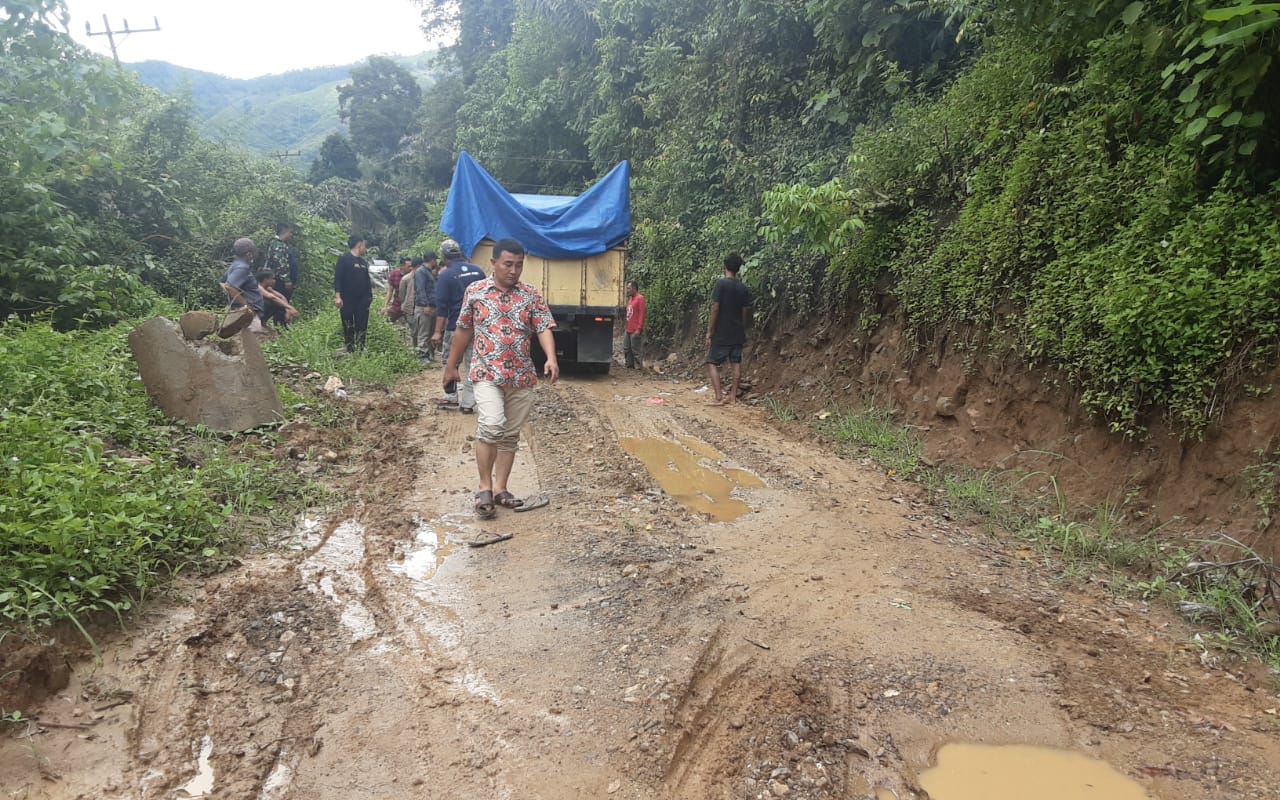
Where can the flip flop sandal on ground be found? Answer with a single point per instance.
(507, 500)
(486, 538)
(530, 503)
(484, 505)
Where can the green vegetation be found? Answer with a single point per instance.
(101, 501)
(315, 342)
(115, 208)
(874, 430)
(1090, 181)
(292, 112)
(779, 409)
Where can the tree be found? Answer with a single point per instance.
(337, 159)
(527, 111)
(379, 106)
(482, 27)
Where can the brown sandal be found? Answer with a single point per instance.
(507, 500)
(484, 505)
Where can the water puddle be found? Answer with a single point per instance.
(431, 547)
(1017, 772)
(278, 783)
(202, 784)
(335, 570)
(690, 471)
(434, 541)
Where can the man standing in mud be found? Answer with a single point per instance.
(633, 337)
(727, 329)
(499, 316)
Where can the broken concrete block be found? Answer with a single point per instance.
(224, 385)
(198, 324)
(235, 322)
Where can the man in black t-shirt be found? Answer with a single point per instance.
(353, 293)
(727, 329)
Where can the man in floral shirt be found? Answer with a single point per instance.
(500, 315)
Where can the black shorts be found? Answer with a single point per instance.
(719, 353)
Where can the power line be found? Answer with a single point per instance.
(111, 35)
(537, 159)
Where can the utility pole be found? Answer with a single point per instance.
(111, 35)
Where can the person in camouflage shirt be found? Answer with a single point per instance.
(282, 260)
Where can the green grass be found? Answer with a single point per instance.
(102, 500)
(779, 409)
(316, 342)
(874, 431)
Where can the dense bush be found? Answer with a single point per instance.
(100, 502)
(1055, 192)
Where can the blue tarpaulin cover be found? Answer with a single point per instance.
(550, 226)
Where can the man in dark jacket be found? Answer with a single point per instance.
(423, 319)
(353, 293)
(451, 284)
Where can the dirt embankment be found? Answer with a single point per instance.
(728, 613)
(995, 413)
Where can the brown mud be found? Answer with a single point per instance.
(824, 640)
(977, 403)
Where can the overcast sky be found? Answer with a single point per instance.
(248, 38)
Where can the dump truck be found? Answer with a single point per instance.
(575, 251)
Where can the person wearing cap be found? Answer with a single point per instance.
(239, 283)
(451, 284)
(353, 293)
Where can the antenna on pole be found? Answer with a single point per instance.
(111, 35)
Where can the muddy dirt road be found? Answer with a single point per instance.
(744, 617)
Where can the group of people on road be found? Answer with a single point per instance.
(482, 325)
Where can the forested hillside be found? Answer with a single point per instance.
(287, 113)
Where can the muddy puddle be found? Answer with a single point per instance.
(202, 784)
(1018, 772)
(433, 542)
(692, 472)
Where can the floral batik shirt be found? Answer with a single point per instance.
(503, 323)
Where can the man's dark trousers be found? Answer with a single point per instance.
(355, 322)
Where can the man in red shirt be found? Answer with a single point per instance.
(500, 315)
(391, 306)
(633, 339)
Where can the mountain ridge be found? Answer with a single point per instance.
(286, 112)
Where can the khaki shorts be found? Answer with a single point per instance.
(501, 413)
